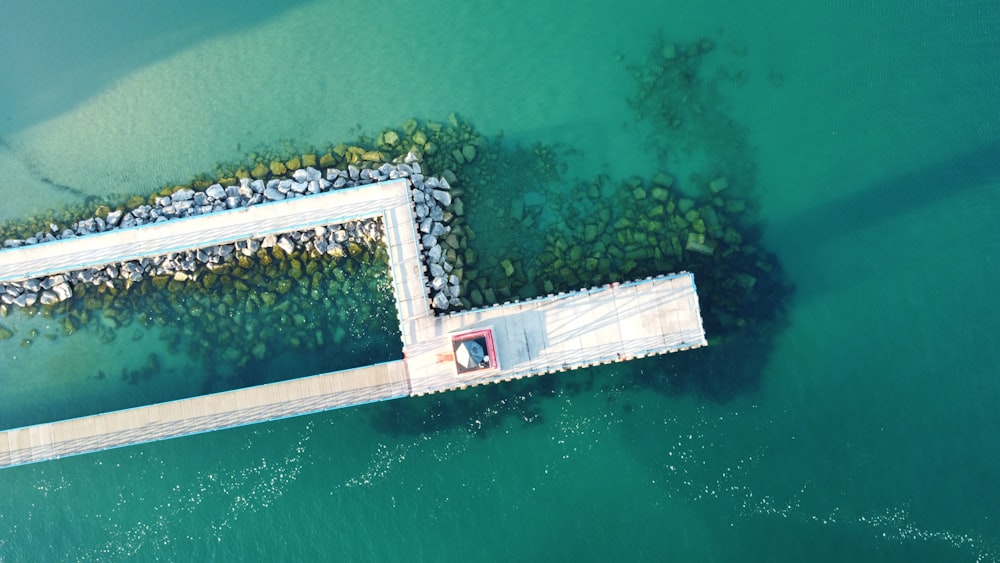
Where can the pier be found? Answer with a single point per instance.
(558, 332)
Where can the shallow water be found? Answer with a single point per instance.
(864, 430)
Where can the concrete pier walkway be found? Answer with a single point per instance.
(513, 340)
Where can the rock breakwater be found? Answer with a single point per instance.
(431, 197)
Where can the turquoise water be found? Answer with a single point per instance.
(864, 431)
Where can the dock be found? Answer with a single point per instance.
(558, 332)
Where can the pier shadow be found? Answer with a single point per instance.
(801, 235)
(59, 54)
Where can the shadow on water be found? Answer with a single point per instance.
(962, 173)
(58, 54)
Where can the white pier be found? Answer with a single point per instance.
(555, 333)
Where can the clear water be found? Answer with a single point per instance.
(866, 431)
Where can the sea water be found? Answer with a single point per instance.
(864, 431)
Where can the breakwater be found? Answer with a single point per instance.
(431, 195)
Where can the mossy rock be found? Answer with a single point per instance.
(241, 286)
(6, 333)
(278, 168)
(259, 172)
(410, 126)
(327, 161)
(309, 160)
(268, 298)
(284, 286)
(174, 286)
(293, 163)
(373, 156)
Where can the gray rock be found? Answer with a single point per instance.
(421, 210)
(353, 172)
(233, 202)
(440, 301)
(26, 299)
(216, 191)
(52, 281)
(113, 218)
(436, 270)
(340, 182)
(340, 236)
(313, 175)
(63, 291)
(48, 298)
(426, 225)
(438, 282)
(300, 175)
(183, 194)
(438, 229)
(442, 196)
(272, 194)
(269, 241)
(434, 253)
(286, 244)
(299, 187)
(428, 240)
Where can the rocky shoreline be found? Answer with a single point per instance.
(431, 195)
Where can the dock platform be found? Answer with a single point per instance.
(558, 332)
